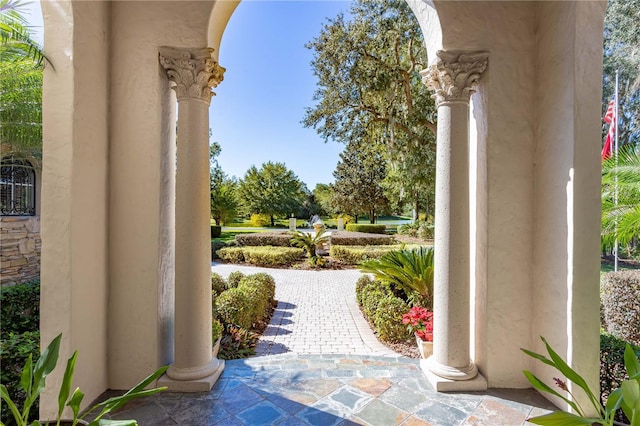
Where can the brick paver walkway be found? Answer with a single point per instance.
(316, 314)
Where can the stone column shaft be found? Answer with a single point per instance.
(193, 73)
(453, 79)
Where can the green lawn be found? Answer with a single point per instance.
(606, 265)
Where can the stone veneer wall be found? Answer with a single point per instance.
(19, 249)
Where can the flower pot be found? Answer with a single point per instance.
(425, 348)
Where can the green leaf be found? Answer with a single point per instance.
(4, 394)
(46, 363)
(572, 375)
(26, 379)
(65, 388)
(75, 401)
(631, 363)
(560, 418)
(543, 387)
(539, 357)
(103, 422)
(614, 401)
(631, 400)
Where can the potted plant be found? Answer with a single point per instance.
(419, 320)
(33, 382)
(627, 396)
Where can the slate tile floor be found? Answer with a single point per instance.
(300, 389)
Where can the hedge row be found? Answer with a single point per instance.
(620, 304)
(354, 255)
(344, 238)
(612, 369)
(278, 238)
(19, 308)
(366, 227)
(382, 309)
(261, 255)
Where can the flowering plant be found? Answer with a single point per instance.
(419, 320)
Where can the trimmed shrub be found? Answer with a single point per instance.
(215, 246)
(410, 229)
(19, 308)
(361, 287)
(234, 279)
(354, 255)
(419, 229)
(620, 304)
(343, 238)
(218, 285)
(388, 320)
(272, 256)
(231, 254)
(216, 330)
(257, 299)
(14, 352)
(371, 228)
(426, 231)
(266, 282)
(371, 297)
(612, 369)
(260, 220)
(216, 231)
(279, 238)
(233, 307)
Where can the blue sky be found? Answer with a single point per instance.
(267, 86)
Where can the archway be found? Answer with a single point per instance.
(109, 140)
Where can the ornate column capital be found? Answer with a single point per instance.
(193, 71)
(454, 76)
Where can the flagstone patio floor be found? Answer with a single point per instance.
(319, 363)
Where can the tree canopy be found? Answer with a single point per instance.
(21, 64)
(369, 90)
(273, 189)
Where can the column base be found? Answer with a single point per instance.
(467, 380)
(190, 381)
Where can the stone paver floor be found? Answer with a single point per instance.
(318, 363)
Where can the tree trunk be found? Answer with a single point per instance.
(416, 214)
(217, 219)
(272, 221)
(372, 216)
(356, 217)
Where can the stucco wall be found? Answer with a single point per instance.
(142, 182)
(567, 181)
(19, 249)
(74, 193)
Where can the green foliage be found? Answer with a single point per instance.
(216, 329)
(354, 255)
(621, 179)
(410, 270)
(343, 238)
(620, 304)
(272, 190)
(626, 397)
(234, 279)
(322, 195)
(260, 220)
(232, 307)
(272, 256)
(388, 320)
(266, 282)
(15, 349)
(16, 40)
(33, 381)
(612, 370)
(19, 308)
(215, 246)
(369, 90)
(417, 229)
(218, 284)
(279, 238)
(358, 180)
(231, 254)
(238, 343)
(366, 227)
(224, 200)
(309, 241)
(622, 52)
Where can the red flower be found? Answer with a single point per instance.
(420, 321)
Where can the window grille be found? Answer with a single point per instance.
(17, 188)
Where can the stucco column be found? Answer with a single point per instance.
(452, 78)
(193, 73)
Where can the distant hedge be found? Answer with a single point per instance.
(261, 255)
(343, 238)
(366, 227)
(354, 255)
(281, 239)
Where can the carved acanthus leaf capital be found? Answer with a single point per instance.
(194, 72)
(454, 76)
